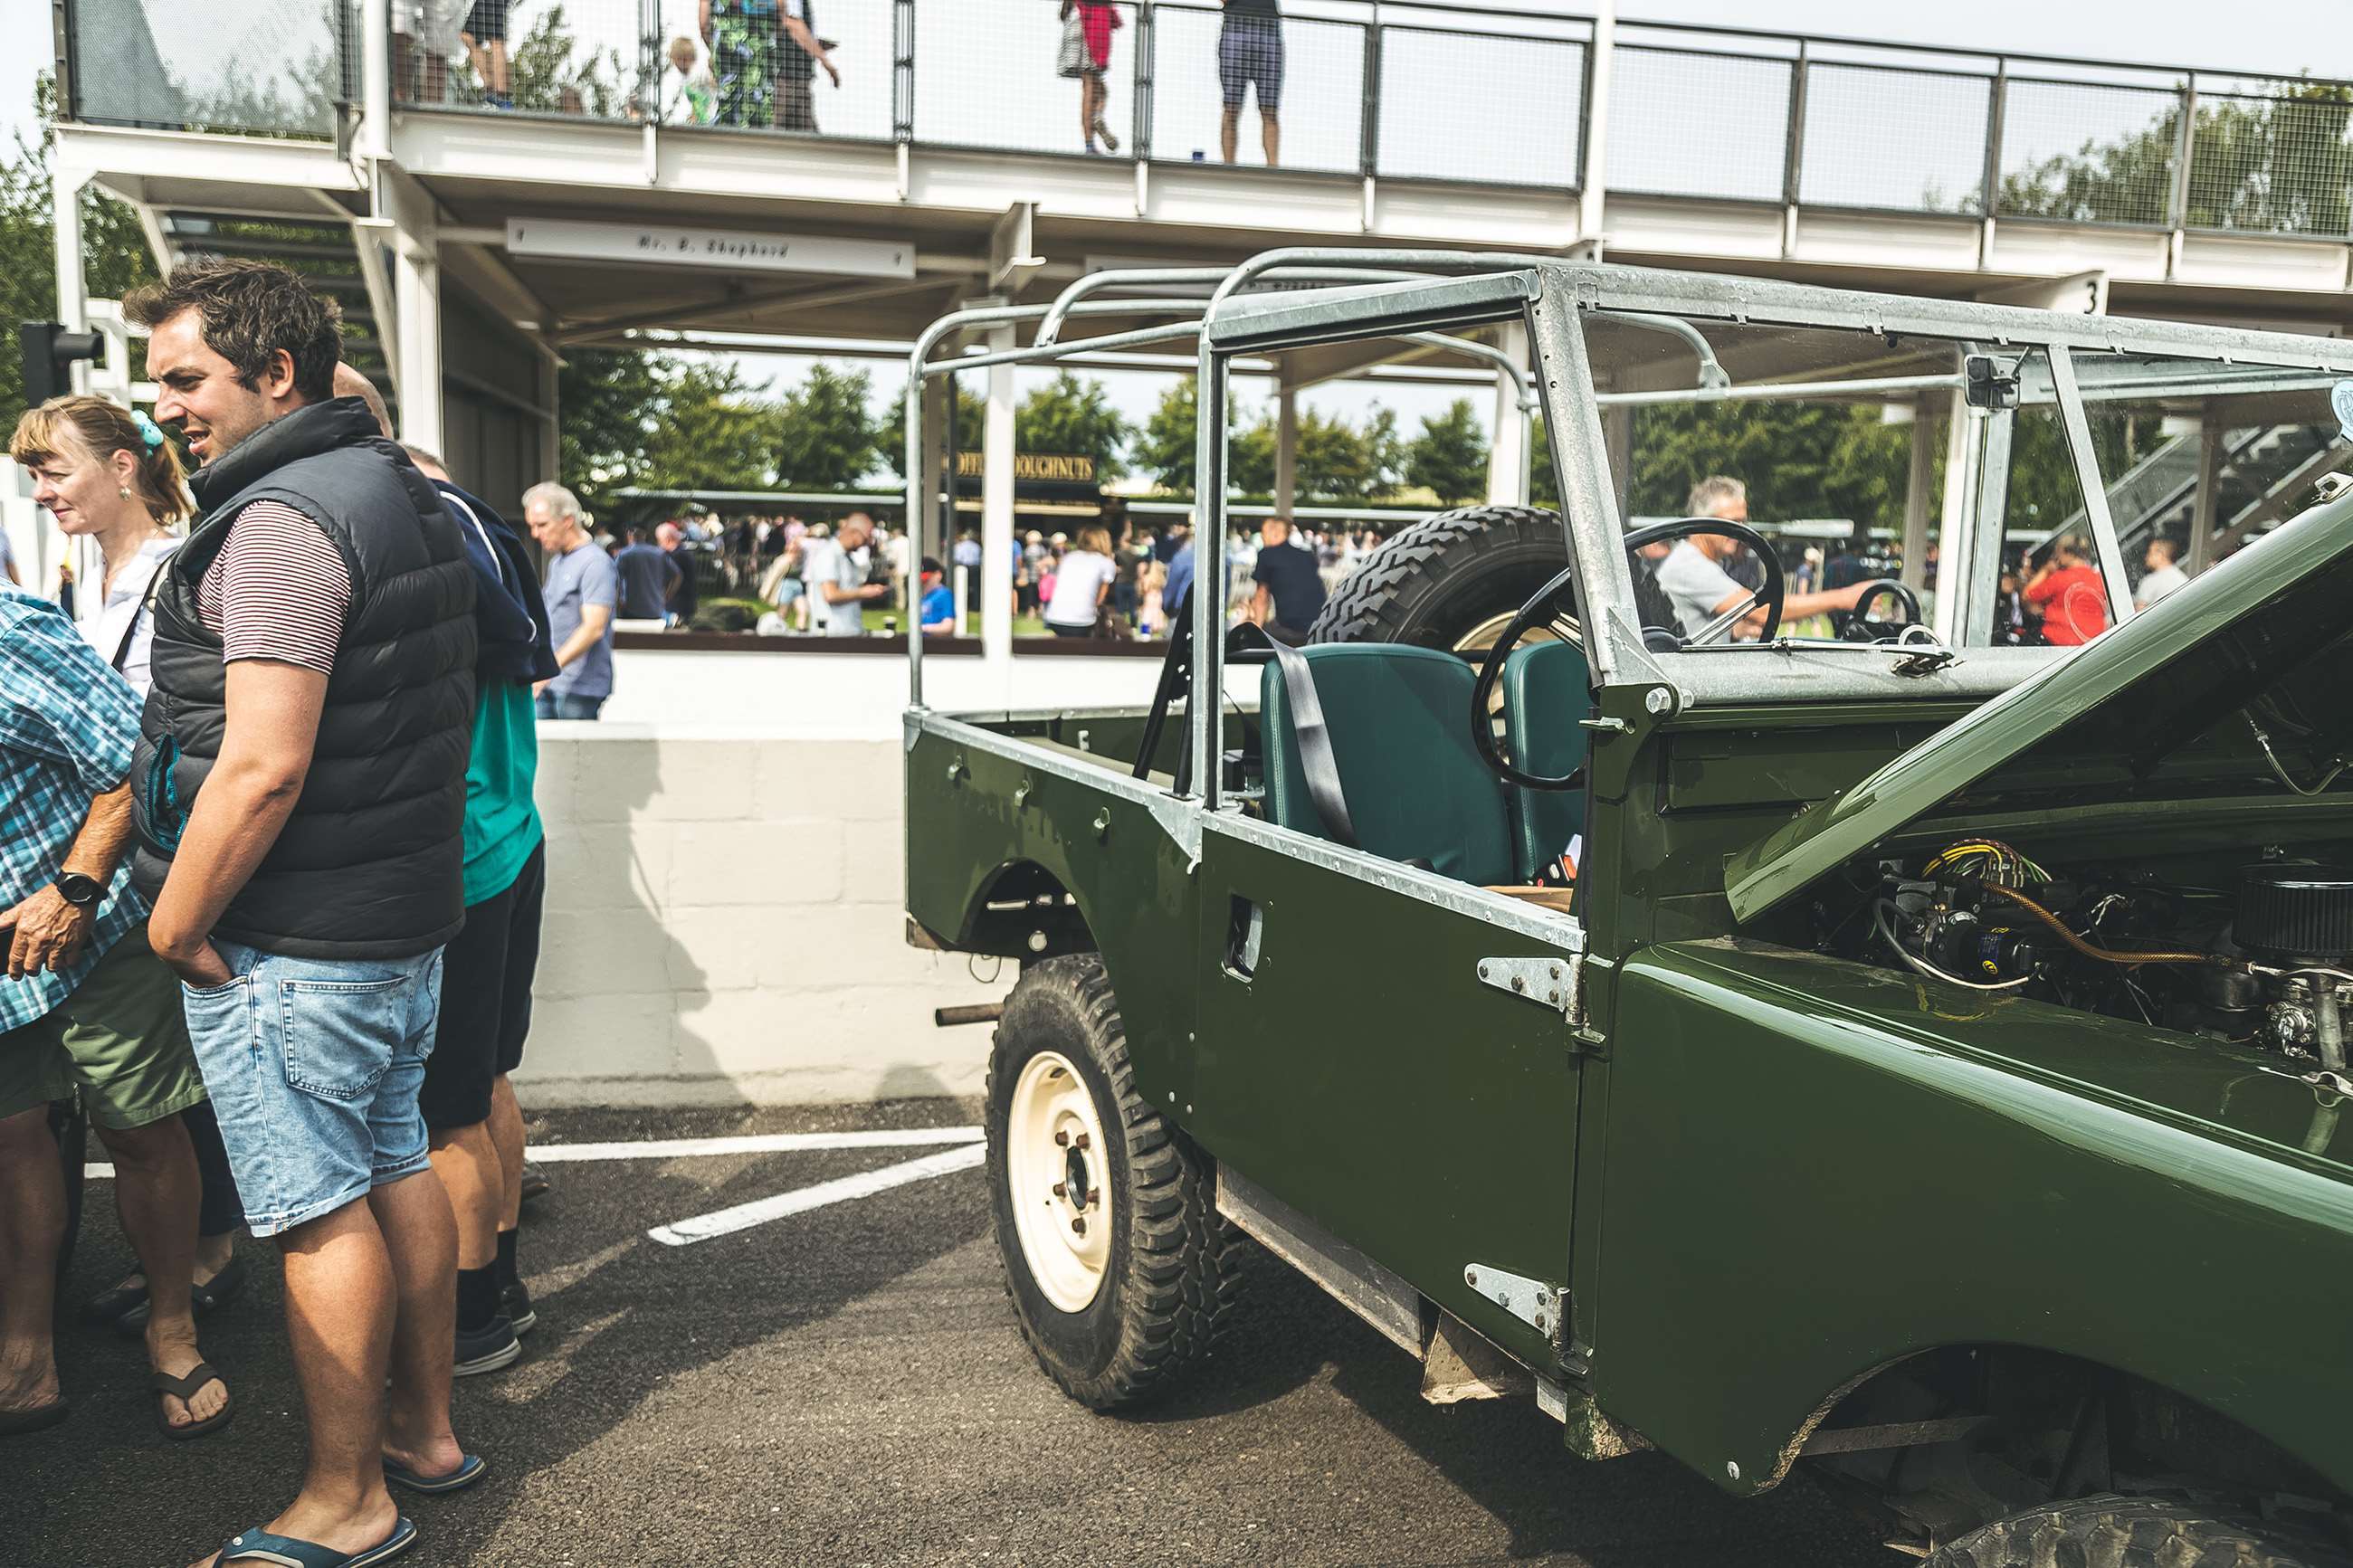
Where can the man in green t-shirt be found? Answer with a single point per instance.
(487, 969)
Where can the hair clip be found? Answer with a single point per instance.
(151, 435)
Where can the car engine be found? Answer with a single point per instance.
(2266, 963)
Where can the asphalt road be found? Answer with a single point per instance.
(845, 1387)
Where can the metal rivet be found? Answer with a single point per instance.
(1103, 824)
(1518, 983)
(1540, 1324)
(1503, 1298)
(1732, 1468)
(1470, 1277)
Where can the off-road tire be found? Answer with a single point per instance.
(1433, 584)
(1175, 1273)
(2110, 1532)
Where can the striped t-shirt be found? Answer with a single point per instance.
(277, 590)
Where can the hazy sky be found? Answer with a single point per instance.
(2267, 36)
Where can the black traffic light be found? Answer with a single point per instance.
(49, 352)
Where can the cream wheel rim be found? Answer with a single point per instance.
(1058, 1178)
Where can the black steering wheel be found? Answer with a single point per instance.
(1857, 626)
(1544, 604)
(1771, 595)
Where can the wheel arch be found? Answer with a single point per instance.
(2031, 1390)
(1022, 909)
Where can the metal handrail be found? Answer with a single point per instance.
(2185, 86)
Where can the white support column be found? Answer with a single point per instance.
(1964, 447)
(374, 138)
(416, 343)
(1286, 451)
(997, 516)
(1918, 482)
(1593, 188)
(1508, 456)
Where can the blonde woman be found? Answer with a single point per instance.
(1081, 583)
(106, 473)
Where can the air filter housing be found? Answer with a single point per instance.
(2290, 912)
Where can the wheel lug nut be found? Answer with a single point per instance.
(1063, 1140)
(1095, 1196)
(1083, 1141)
(1079, 1225)
(1061, 1191)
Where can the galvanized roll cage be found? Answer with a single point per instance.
(1431, 296)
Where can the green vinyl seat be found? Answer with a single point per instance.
(1547, 689)
(1399, 722)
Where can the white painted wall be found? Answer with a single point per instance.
(724, 917)
(724, 925)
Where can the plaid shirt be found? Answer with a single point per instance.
(67, 723)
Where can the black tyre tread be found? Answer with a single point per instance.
(1377, 603)
(2112, 1531)
(1185, 1267)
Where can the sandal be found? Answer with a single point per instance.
(39, 1419)
(470, 1468)
(106, 1308)
(219, 1291)
(260, 1546)
(184, 1389)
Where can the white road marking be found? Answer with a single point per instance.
(746, 1143)
(742, 1217)
(754, 1143)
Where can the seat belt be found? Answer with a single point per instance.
(1317, 760)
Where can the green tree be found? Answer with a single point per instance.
(609, 398)
(1448, 457)
(709, 432)
(544, 74)
(115, 258)
(1165, 446)
(824, 435)
(1067, 415)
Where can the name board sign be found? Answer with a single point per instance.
(672, 245)
(1067, 468)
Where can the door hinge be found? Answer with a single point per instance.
(1547, 982)
(1553, 982)
(1541, 1305)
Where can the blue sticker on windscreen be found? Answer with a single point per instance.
(2340, 398)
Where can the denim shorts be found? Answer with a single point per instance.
(314, 1067)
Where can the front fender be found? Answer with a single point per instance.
(1816, 1168)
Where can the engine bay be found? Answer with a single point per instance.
(2257, 955)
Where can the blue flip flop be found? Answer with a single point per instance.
(285, 1552)
(470, 1470)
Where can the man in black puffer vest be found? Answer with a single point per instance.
(300, 791)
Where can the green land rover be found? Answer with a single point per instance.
(1860, 1043)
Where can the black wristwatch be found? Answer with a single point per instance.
(82, 892)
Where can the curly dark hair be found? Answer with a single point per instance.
(249, 310)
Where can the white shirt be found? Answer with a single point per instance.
(104, 623)
(1694, 584)
(1078, 588)
(2159, 583)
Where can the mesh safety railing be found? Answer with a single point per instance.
(2089, 153)
(1411, 90)
(2278, 161)
(270, 68)
(1906, 140)
(1689, 122)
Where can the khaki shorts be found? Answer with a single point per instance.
(121, 1037)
